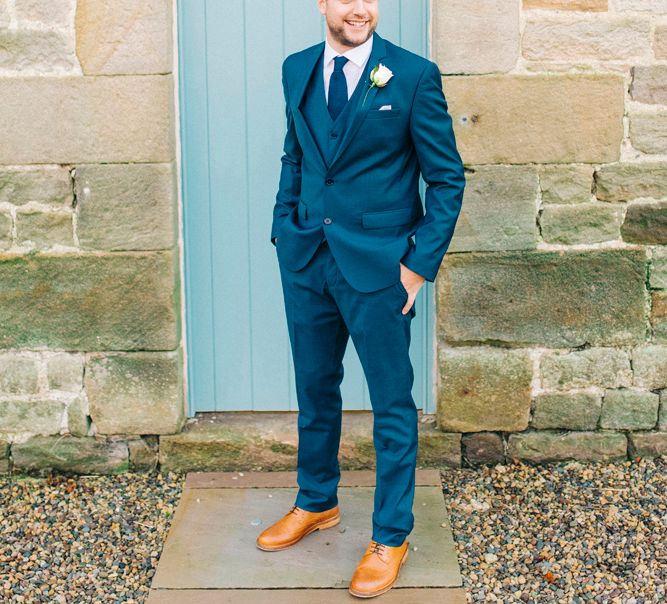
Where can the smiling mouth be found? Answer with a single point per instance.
(357, 24)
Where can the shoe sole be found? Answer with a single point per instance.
(387, 587)
(325, 524)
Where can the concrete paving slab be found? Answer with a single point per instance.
(211, 544)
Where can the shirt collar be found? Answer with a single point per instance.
(358, 55)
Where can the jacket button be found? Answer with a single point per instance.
(327, 220)
(334, 135)
(329, 181)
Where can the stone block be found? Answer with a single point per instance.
(86, 119)
(511, 192)
(658, 269)
(581, 223)
(143, 453)
(54, 13)
(65, 371)
(659, 315)
(48, 185)
(646, 223)
(483, 448)
(135, 393)
(586, 37)
(31, 416)
(566, 411)
(649, 84)
(483, 389)
(18, 374)
(555, 446)
(662, 414)
(5, 231)
(78, 420)
(648, 131)
(124, 37)
(44, 230)
(553, 299)
(566, 183)
(70, 454)
(568, 5)
(627, 409)
(649, 364)
(660, 41)
(585, 118)
(624, 181)
(601, 367)
(647, 444)
(658, 7)
(126, 206)
(118, 301)
(479, 37)
(43, 50)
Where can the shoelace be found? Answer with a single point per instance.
(377, 548)
(293, 510)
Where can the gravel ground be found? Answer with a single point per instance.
(567, 532)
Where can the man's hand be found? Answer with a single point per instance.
(412, 282)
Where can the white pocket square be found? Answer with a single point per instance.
(384, 107)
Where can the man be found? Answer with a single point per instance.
(364, 117)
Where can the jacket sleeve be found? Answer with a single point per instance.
(289, 187)
(442, 170)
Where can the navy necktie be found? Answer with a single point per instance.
(337, 88)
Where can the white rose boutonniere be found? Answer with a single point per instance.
(380, 75)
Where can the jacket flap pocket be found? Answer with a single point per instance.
(386, 218)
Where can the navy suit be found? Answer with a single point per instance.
(346, 212)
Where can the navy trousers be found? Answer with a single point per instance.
(323, 311)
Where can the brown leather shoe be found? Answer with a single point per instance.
(378, 569)
(295, 525)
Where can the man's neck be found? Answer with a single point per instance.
(340, 48)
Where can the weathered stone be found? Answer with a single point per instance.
(554, 299)
(649, 84)
(143, 453)
(658, 272)
(566, 184)
(124, 37)
(4, 13)
(581, 223)
(662, 414)
(120, 301)
(567, 411)
(647, 444)
(626, 181)
(659, 315)
(43, 50)
(65, 372)
(5, 231)
(269, 441)
(650, 6)
(649, 364)
(585, 118)
(602, 367)
(479, 37)
(578, 5)
(126, 206)
(70, 454)
(18, 374)
(78, 421)
(645, 222)
(626, 409)
(4, 448)
(35, 417)
(43, 230)
(135, 393)
(54, 13)
(86, 119)
(585, 37)
(660, 41)
(483, 448)
(482, 389)
(511, 192)
(45, 185)
(648, 131)
(554, 446)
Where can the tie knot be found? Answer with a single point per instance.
(339, 62)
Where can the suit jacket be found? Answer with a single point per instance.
(366, 199)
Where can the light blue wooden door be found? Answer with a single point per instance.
(232, 119)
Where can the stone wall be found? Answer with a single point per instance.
(90, 334)
(552, 299)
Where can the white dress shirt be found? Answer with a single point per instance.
(358, 57)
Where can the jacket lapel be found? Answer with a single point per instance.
(378, 52)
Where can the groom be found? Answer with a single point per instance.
(364, 118)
